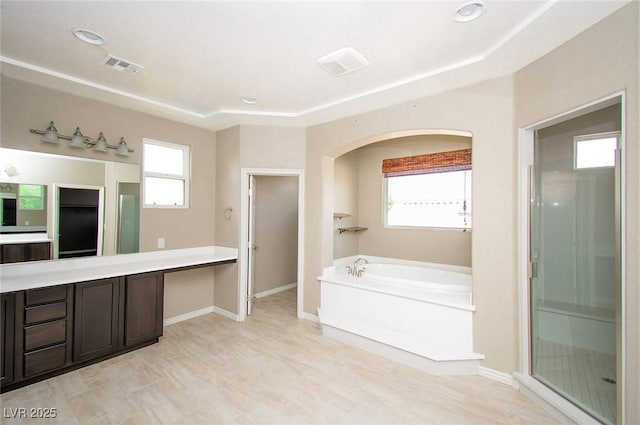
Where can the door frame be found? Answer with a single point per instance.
(56, 213)
(526, 160)
(244, 234)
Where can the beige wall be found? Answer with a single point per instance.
(445, 246)
(227, 228)
(599, 62)
(246, 147)
(187, 291)
(485, 110)
(26, 106)
(276, 232)
(346, 199)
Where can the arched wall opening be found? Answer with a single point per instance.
(359, 195)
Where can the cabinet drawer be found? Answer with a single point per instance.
(45, 312)
(44, 360)
(45, 334)
(46, 295)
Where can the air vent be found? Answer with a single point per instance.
(343, 61)
(121, 65)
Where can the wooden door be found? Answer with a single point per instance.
(143, 308)
(8, 328)
(96, 329)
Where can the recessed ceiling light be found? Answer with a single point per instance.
(88, 36)
(250, 100)
(469, 11)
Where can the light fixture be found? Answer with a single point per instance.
(78, 141)
(469, 11)
(51, 134)
(88, 36)
(101, 143)
(11, 171)
(123, 149)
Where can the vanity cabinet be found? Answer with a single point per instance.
(7, 328)
(49, 330)
(21, 252)
(97, 322)
(43, 330)
(144, 302)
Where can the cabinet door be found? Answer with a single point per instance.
(143, 308)
(13, 253)
(96, 318)
(38, 251)
(8, 328)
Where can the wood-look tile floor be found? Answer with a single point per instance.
(271, 369)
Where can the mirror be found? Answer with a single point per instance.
(23, 208)
(32, 170)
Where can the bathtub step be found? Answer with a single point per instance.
(465, 366)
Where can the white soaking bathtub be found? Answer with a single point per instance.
(420, 314)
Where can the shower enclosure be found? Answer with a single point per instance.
(575, 269)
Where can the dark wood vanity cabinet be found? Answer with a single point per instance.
(47, 331)
(143, 308)
(97, 322)
(21, 252)
(44, 323)
(7, 326)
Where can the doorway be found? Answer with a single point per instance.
(79, 221)
(574, 281)
(271, 246)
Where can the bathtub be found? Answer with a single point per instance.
(417, 313)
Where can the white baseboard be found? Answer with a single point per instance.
(226, 313)
(496, 375)
(310, 317)
(275, 290)
(187, 316)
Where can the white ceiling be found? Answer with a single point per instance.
(201, 57)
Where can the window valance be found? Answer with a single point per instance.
(441, 162)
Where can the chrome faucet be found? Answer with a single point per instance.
(358, 268)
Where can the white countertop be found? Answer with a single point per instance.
(24, 238)
(40, 274)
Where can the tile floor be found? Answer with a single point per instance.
(583, 375)
(271, 369)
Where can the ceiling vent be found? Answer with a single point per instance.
(343, 61)
(121, 65)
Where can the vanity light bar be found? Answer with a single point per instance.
(78, 140)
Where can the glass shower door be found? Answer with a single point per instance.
(574, 271)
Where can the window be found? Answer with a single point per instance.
(595, 150)
(429, 190)
(31, 197)
(166, 174)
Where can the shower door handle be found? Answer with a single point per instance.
(532, 269)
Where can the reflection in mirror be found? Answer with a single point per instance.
(23, 208)
(128, 217)
(48, 172)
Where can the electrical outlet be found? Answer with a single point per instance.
(160, 242)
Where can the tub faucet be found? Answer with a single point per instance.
(359, 268)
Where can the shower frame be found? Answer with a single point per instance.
(560, 407)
